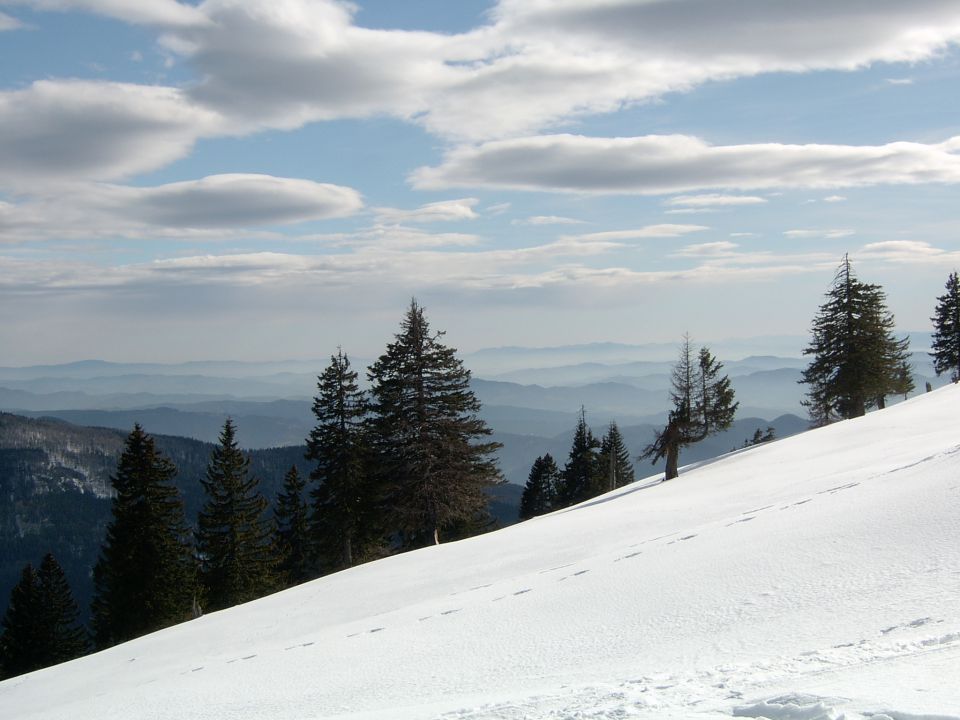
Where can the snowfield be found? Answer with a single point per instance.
(814, 578)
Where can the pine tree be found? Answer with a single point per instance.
(703, 404)
(291, 531)
(233, 542)
(579, 474)
(614, 465)
(946, 331)
(539, 494)
(344, 523)
(21, 645)
(857, 360)
(430, 442)
(145, 576)
(65, 637)
(40, 627)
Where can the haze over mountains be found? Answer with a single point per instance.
(530, 396)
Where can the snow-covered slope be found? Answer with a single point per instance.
(815, 577)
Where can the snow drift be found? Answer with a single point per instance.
(816, 577)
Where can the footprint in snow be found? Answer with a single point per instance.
(627, 557)
(306, 644)
(249, 657)
(425, 617)
(197, 669)
(375, 630)
(838, 488)
(743, 520)
(521, 592)
(451, 612)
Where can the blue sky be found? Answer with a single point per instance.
(274, 178)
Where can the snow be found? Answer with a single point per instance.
(813, 578)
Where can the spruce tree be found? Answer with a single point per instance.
(857, 361)
(614, 465)
(291, 531)
(539, 494)
(21, 644)
(946, 331)
(65, 638)
(577, 481)
(702, 402)
(432, 448)
(40, 627)
(145, 577)
(233, 542)
(344, 523)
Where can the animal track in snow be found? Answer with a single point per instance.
(521, 592)
(838, 488)
(376, 630)
(627, 557)
(741, 520)
(559, 567)
(451, 612)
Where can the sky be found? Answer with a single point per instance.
(268, 179)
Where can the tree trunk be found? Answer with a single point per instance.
(436, 535)
(881, 402)
(673, 458)
(347, 551)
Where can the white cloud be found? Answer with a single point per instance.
(442, 211)
(833, 234)
(644, 233)
(713, 200)
(204, 207)
(835, 199)
(547, 220)
(139, 12)
(744, 234)
(711, 249)
(908, 251)
(498, 208)
(63, 131)
(9, 23)
(659, 164)
(900, 81)
(282, 63)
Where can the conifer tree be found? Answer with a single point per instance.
(614, 465)
(344, 523)
(233, 542)
(65, 638)
(40, 627)
(946, 331)
(145, 576)
(580, 472)
(857, 361)
(431, 444)
(539, 494)
(21, 644)
(291, 531)
(703, 404)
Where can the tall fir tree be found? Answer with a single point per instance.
(40, 627)
(857, 361)
(432, 446)
(946, 331)
(233, 541)
(145, 578)
(703, 404)
(614, 464)
(344, 522)
(291, 531)
(65, 638)
(577, 481)
(21, 644)
(539, 494)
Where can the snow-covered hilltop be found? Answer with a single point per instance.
(817, 577)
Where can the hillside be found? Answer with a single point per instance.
(813, 578)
